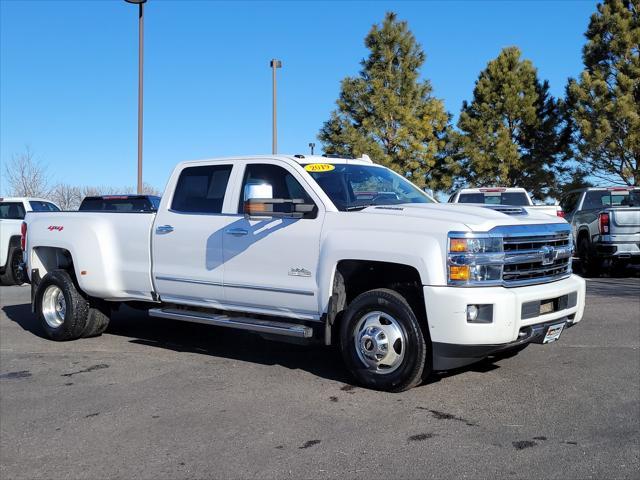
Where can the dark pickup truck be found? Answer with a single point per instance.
(120, 203)
(606, 225)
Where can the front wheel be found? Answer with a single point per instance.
(13, 274)
(382, 342)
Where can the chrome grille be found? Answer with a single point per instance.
(536, 258)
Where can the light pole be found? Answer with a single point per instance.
(140, 4)
(275, 64)
(312, 146)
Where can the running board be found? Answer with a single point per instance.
(241, 323)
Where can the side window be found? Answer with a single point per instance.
(570, 202)
(11, 211)
(39, 206)
(201, 189)
(593, 200)
(283, 184)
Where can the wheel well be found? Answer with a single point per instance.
(354, 277)
(582, 234)
(46, 259)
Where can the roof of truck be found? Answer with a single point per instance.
(25, 199)
(492, 189)
(298, 158)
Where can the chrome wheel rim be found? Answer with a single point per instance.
(380, 342)
(54, 306)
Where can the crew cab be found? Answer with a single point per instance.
(315, 249)
(120, 203)
(606, 225)
(12, 213)
(503, 196)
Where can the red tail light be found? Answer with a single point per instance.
(560, 213)
(23, 236)
(603, 222)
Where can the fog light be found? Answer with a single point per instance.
(472, 313)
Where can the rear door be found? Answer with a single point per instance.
(187, 235)
(271, 263)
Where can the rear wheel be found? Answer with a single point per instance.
(588, 262)
(382, 342)
(62, 310)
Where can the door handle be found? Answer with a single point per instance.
(237, 232)
(164, 229)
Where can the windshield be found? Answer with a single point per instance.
(518, 199)
(353, 187)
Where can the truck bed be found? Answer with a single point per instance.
(113, 259)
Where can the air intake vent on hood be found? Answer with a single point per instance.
(507, 210)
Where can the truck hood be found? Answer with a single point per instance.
(476, 218)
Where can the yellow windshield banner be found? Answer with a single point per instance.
(319, 167)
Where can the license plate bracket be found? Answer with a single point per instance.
(553, 332)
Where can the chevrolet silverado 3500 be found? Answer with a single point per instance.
(315, 249)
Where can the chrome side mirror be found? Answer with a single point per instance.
(257, 190)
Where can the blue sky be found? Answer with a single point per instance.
(68, 72)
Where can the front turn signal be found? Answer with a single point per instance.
(459, 273)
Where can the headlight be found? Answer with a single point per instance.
(474, 259)
(475, 245)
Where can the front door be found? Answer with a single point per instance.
(187, 237)
(272, 263)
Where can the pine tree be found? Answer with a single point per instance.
(512, 133)
(388, 113)
(605, 101)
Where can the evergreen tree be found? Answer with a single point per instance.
(512, 133)
(388, 113)
(605, 101)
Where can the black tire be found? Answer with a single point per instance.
(589, 264)
(76, 307)
(414, 365)
(13, 275)
(98, 321)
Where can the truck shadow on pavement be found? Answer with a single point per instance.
(140, 329)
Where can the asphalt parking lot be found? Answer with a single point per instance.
(153, 398)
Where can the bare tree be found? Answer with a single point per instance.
(26, 176)
(68, 197)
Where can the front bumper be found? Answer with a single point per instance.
(512, 321)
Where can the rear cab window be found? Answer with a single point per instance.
(598, 199)
(12, 211)
(118, 203)
(201, 189)
(517, 199)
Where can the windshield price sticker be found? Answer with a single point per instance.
(319, 167)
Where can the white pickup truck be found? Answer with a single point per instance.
(12, 213)
(514, 196)
(315, 249)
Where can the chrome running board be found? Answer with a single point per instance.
(241, 323)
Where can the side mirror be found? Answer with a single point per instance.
(428, 191)
(257, 190)
(278, 207)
